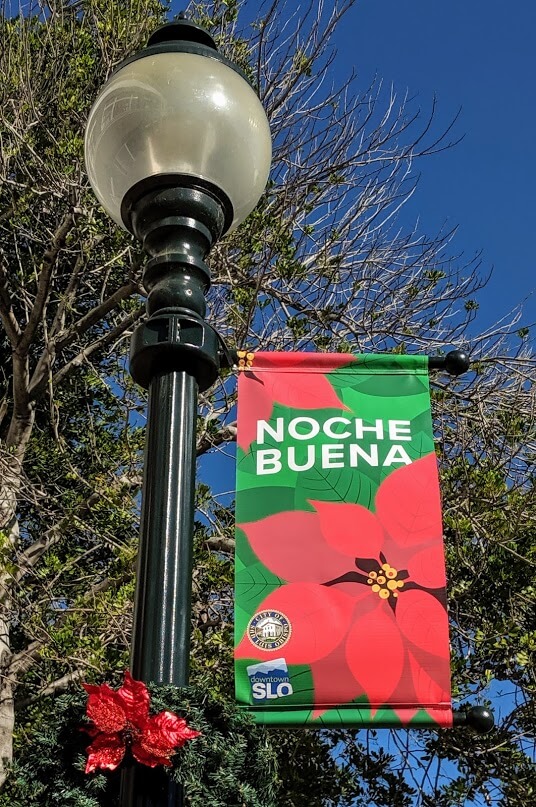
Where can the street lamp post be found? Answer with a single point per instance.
(178, 151)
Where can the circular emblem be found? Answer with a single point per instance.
(269, 630)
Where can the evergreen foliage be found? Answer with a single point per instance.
(231, 763)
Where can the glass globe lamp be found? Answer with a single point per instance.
(178, 115)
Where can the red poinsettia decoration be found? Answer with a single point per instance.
(364, 594)
(121, 721)
(284, 385)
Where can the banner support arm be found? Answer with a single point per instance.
(479, 718)
(454, 363)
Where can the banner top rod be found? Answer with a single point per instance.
(455, 363)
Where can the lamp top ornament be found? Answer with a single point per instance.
(178, 114)
(182, 36)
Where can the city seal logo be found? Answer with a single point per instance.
(269, 630)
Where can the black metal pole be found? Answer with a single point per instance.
(161, 636)
(174, 354)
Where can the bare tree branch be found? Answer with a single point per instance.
(97, 314)
(107, 339)
(59, 685)
(7, 317)
(45, 273)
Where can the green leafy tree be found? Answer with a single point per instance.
(319, 264)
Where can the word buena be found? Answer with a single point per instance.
(337, 454)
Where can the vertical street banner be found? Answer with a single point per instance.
(340, 616)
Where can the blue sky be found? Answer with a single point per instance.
(477, 55)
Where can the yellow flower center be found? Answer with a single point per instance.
(386, 584)
(245, 359)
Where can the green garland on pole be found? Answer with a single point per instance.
(230, 763)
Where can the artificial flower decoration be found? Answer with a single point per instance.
(245, 359)
(370, 587)
(121, 722)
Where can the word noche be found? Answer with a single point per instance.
(303, 456)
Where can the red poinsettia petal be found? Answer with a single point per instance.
(408, 505)
(318, 616)
(428, 691)
(333, 680)
(301, 390)
(442, 716)
(104, 708)
(350, 529)
(438, 669)
(404, 699)
(93, 689)
(293, 547)
(150, 752)
(286, 387)
(302, 361)
(105, 752)
(405, 714)
(135, 700)
(174, 730)
(161, 735)
(375, 654)
(427, 567)
(255, 403)
(423, 621)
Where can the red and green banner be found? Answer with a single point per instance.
(340, 576)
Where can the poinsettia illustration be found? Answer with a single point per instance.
(284, 385)
(121, 720)
(364, 594)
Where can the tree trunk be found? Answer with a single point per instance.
(7, 707)
(11, 471)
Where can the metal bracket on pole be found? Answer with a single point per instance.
(227, 356)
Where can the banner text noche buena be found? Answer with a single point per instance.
(386, 451)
